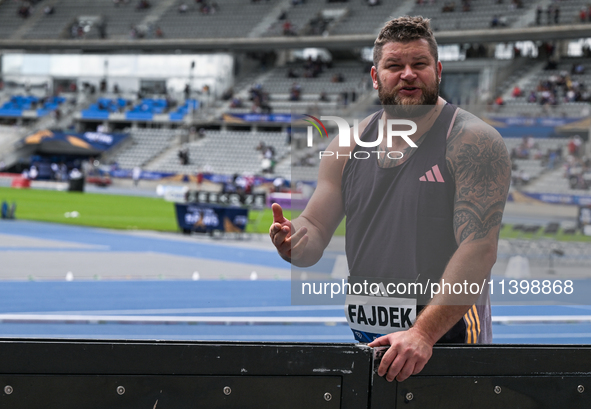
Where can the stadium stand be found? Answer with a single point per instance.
(557, 84)
(333, 85)
(72, 19)
(146, 145)
(231, 18)
(317, 17)
(10, 20)
(284, 84)
(224, 152)
(471, 14)
(41, 106)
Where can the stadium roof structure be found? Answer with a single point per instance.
(542, 33)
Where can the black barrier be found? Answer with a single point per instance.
(250, 200)
(141, 374)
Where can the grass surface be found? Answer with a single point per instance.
(143, 213)
(98, 210)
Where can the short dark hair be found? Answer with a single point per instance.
(405, 29)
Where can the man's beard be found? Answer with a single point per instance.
(398, 106)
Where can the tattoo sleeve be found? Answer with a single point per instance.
(479, 162)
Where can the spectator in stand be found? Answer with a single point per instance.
(583, 15)
(143, 5)
(228, 94)
(295, 92)
(338, 77)
(183, 8)
(136, 174)
(495, 21)
(33, 172)
(48, 10)
(159, 33)
(538, 15)
(556, 14)
(278, 184)
(516, 93)
(288, 29)
(373, 3)
(578, 69)
(522, 178)
(183, 155)
(323, 97)
(288, 133)
(499, 100)
(549, 14)
(236, 103)
(344, 98)
(25, 10)
(448, 7)
(532, 97)
(261, 147)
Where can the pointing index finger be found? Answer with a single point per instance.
(277, 213)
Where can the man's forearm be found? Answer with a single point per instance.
(471, 263)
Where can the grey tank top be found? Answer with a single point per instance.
(400, 220)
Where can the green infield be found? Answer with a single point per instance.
(143, 213)
(98, 210)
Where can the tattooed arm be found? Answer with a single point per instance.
(478, 160)
(479, 163)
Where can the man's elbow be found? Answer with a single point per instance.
(483, 252)
(487, 254)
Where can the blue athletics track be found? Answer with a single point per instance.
(60, 281)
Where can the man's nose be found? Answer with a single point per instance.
(408, 74)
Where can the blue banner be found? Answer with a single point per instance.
(207, 218)
(528, 121)
(241, 118)
(555, 198)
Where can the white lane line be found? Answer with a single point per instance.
(526, 336)
(251, 320)
(540, 318)
(160, 338)
(151, 319)
(220, 310)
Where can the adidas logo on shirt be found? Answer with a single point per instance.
(432, 175)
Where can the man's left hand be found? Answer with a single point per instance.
(408, 353)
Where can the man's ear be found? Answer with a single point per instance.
(439, 69)
(374, 77)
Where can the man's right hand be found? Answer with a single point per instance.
(289, 243)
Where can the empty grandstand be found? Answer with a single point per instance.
(216, 79)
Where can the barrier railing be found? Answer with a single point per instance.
(81, 374)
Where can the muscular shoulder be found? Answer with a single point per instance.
(472, 145)
(479, 162)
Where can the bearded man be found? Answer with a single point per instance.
(423, 211)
